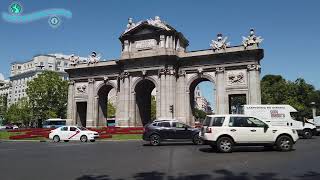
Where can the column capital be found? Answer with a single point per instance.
(182, 73)
(253, 67)
(220, 69)
(124, 75)
(71, 82)
(90, 80)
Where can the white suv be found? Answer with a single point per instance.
(226, 131)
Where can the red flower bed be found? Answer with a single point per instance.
(24, 136)
(105, 132)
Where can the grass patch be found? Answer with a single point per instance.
(126, 136)
(6, 134)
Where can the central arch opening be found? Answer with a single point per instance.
(106, 103)
(202, 99)
(145, 102)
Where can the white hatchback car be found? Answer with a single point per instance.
(66, 133)
(225, 131)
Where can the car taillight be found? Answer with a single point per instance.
(208, 130)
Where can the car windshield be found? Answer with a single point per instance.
(82, 128)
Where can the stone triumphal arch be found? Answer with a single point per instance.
(154, 58)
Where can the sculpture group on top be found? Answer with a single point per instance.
(92, 59)
(252, 39)
(154, 22)
(221, 43)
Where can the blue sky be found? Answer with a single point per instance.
(290, 29)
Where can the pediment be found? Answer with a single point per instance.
(142, 29)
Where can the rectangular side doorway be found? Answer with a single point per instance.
(81, 118)
(236, 102)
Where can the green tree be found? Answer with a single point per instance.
(199, 114)
(48, 96)
(3, 106)
(19, 113)
(111, 110)
(153, 108)
(298, 93)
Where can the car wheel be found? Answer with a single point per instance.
(56, 138)
(284, 143)
(92, 140)
(307, 134)
(155, 140)
(83, 138)
(197, 140)
(225, 145)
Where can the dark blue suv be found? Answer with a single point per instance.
(170, 130)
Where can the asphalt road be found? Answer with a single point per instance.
(136, 160)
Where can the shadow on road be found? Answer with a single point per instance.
(173, 144)
(240, 149)
(216, 175)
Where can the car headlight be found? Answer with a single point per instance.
(294, 131)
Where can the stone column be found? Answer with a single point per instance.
(95, 115)
(162, 93)
(172, 97)
(221, 102)
(162, 41)
(123, 105)
(254, 84)
(71, 120)
(90, 104)
(180, 97)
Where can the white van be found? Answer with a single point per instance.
(316, 122)
(281, 115)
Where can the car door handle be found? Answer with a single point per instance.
(233, 130)
(253, 130)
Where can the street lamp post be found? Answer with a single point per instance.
(313, 107)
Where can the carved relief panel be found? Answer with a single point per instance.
(236, 78)
(81, 88)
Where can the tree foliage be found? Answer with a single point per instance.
(111, 110)
(199, 114)
(3, 105)
(19, 113)
(48, 95)
(299, 94)
(153, 108)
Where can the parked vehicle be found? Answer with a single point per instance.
(226, 131)
(73, 133)
(316, 122)
(281, 115)
(170, 130)
(54, 123)
(11, 126)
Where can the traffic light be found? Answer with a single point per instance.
(171, 108)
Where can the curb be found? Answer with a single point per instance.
(8, 140)
(117, 140)
(100, 140)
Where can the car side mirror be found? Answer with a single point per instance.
(266, 126)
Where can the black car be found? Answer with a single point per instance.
(170, 130)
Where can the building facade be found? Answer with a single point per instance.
(154, 56)
(23, 72)
(4, 86)
(201, 102)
